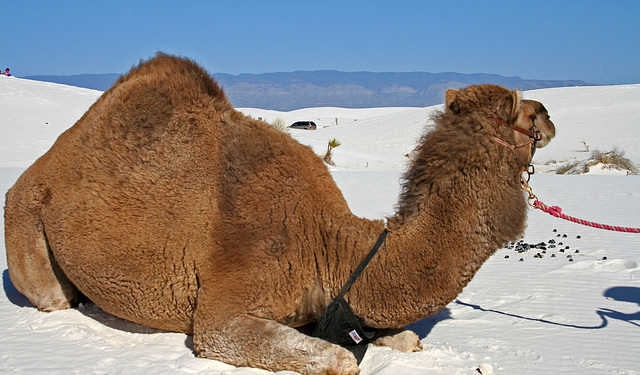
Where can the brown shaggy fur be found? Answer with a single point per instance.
(166, 207)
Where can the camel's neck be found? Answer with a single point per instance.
(463, 211)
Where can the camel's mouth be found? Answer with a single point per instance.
(544, 140)
(536, 117)
(546, 128)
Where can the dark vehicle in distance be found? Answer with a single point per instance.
(309, 125)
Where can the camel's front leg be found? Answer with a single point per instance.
(243, 340)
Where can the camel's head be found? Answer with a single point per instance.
(533, 113)
(527, 119)
(532, 121)
(488, 101)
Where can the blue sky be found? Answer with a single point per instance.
(594, 41)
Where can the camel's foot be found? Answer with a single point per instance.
(399, 339)
(335, 361)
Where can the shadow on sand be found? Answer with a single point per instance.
(12, 293)
(423, 327)
(618, 293)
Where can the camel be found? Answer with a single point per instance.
(166, 207)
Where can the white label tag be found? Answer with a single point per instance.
(355, 337)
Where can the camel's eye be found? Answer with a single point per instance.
(533, 119)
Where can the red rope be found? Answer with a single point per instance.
(557, 212)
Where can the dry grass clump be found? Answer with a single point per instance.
(610, 160)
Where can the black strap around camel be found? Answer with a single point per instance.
(338, 323)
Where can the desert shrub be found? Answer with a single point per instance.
(611, 160)
(330, 146)
(586, 146)
(578, 167)
(280, 125)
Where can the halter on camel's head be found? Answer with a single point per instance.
(506, 104)
(534, 136)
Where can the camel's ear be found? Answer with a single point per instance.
(513, 105)
(450, 101)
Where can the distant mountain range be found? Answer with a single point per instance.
(330, 88)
